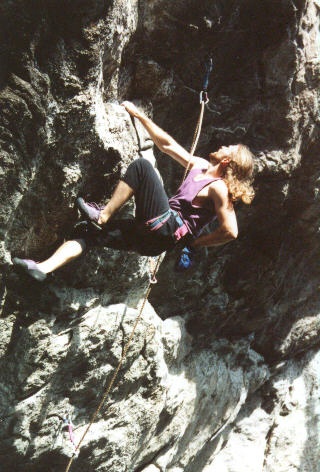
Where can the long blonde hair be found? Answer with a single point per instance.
(239, 175)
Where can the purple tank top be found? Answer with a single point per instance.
(195, 217)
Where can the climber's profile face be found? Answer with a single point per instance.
(224, 152)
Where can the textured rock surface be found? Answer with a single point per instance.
(223, 373)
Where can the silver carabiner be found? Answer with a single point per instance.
(205, 95)
(152, 279)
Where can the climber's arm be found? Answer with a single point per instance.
(161, 139)
(228, 227)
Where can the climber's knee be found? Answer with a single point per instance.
(81, 242)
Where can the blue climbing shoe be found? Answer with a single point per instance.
(30, 267)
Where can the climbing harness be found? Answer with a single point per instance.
(154, 264)
(156, 223)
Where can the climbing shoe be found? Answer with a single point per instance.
(185, 259)
(30, 267)
(90, 211)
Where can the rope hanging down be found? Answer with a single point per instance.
(115, 374)
(203, 100)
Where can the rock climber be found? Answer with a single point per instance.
(208, 192)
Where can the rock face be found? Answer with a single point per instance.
(223, 373)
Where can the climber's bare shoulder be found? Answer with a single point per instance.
(199, 163)
(218, 192)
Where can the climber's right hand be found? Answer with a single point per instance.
(131, 109)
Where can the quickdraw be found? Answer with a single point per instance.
(68, 423)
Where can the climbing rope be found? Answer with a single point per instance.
(198, 129)
(115, 374)
(203, 101)
(153, 267)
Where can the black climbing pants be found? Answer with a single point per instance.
(134, 234)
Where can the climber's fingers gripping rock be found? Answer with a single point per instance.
(131, 109)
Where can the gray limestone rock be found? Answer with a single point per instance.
(222, 373)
